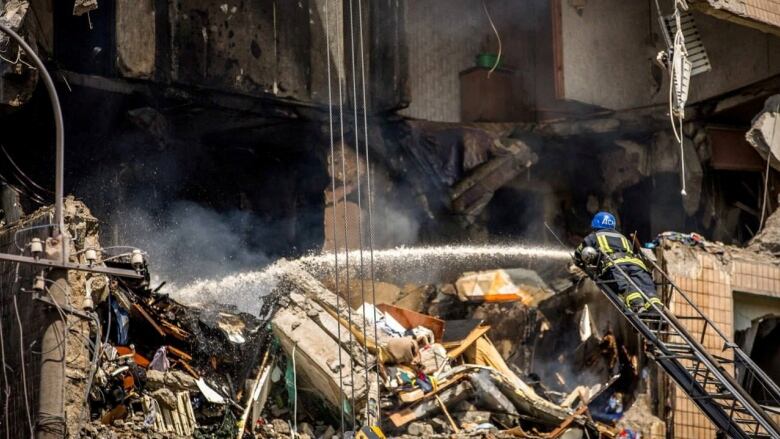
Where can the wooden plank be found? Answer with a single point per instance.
(174, 331)
(179, 353)
(471, 339)
(450, 396)
(149, 319)
(567, 422)
(417, 395)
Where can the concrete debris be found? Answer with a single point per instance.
(471, 194)
(435, 376)
(13, 15)
(762, 134)
(201, 368)
(639, 418)
(81, 7)
(767, 240)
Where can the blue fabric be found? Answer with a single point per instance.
(122, 322)
(603, 220)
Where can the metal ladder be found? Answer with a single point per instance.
(711, 381)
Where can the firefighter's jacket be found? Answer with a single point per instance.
(615, 246)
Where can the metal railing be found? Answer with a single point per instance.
(700, 374)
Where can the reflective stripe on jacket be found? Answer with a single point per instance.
(612, 244)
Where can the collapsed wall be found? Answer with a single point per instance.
(739, 290)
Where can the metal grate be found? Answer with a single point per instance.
(697, 53)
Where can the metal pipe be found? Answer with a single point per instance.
(59, 134)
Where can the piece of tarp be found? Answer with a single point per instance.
(585, 324)
(515, 285)
(160, 360)
(210, 394)
(122, 320)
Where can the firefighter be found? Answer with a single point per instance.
(614, 249)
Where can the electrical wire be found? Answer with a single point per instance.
(370, 202)
(335, 228)
(32, 196)
(25, 229)
(498, 37)
(23, 367)
(766, 174)
(295, 393)
(356, 129)
(59, 135)
(19, 170)
(92, 370)
(678, 110)
(18, 59)
(6, 388)
(340, 56)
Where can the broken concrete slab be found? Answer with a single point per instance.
(314, 352)
(767, 240)
(471, 194)
(173, 379)
(762, 134)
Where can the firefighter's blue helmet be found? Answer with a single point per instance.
(603, 220)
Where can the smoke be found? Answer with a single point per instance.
(394, 224)
(188, 241)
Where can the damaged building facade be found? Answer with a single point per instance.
(219, 137)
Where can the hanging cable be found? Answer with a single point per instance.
(6, 388)
(356, 129)
(498, 37)
(295, 393)
(370, 199)
(19, 171)
(340, 56)
(23, 367)
(679, 77)
(335, 228)
(766, 173)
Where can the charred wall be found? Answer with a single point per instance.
(265, 49)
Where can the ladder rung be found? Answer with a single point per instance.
(722, 396)
(676, 347)
(674, 357)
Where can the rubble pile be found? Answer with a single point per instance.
(165, 369)
(421, 375)
(488, 353)
(155, 367)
